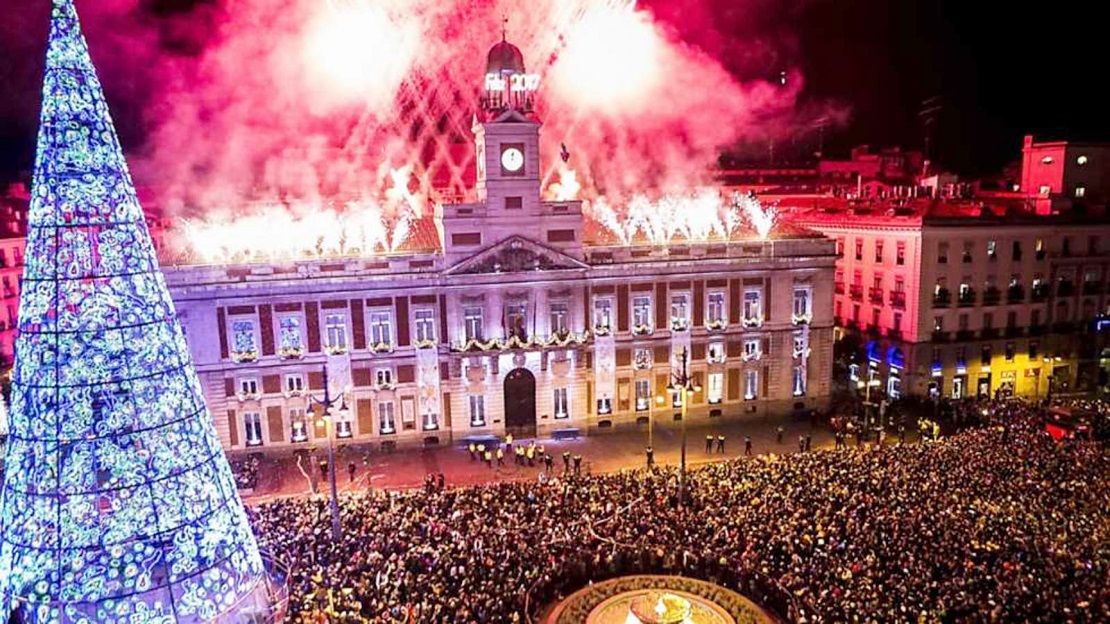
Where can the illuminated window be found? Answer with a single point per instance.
(859, 249)
(900, 257)
(335, 332)
(381, 329)
(1047, 160)
(559, 313)
(641, 312)
(938, 323)
(716, 352)
(605, 406)
(383, 377)
(1080, 191)
(752, 348)
(643, 395)
(716, 308)
(560, 403)
(248, 387)
(472, 320)
(603, 314)
(641, 359)
(799, 381)
(477, 410)
(1045, 190)
(387, 422)
(294, 383)
(992, 250)
(298, 425)
(878, 251)
(801, 302)
(753, 308)
(425, 325)
(1081, 160)
(715, 388)
(290, 327)
(243, 338)
(516, 320)
(252, 423)
(751, 384)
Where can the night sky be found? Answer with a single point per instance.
(1001, 69)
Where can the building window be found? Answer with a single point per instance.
(1034, 318)
(878, 251)
(603, 315)
(605, 406)
(335, 333)
(1016, 251)
(840, 246)
(1011, 319)
(876, 314)
(938, 323)
(988, 320)
(381, 330)
(248, 388)
(1045, 190)
(753, 307)
(477, 410)
(294, 384)
(897, 324)
(969, 249)
(716, 309)
(387, 422)
(801, 345)
(343, 425)
(985, 355)
(298, 427)
(715, 390)
(383, 378)
(799, 381)
(641, 314)
(1033, 352)
(1080, 191)
(752, 348)
(859, 249)
(562, 406)
(290, 338)
(559, 312)
(472, 320)
(516, 320)
(1081, 160)
(1092, 245)
(680, 314)
(641, 359)
(942, 253)
(425, 326)
(900, 257)
(1038, 247)
(643, 395)
(252, 422)
(243, 340)
(1065, 246)
(1047, 160)
(1010, 351)
(802, 303)
(964, 322)
(716, 353)
(992, 250)
(751, 384)
(855, 312)
(431, 421)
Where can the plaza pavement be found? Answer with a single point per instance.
(601, 452)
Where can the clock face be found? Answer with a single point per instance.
(512, 159)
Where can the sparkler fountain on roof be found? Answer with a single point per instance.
(343, 98)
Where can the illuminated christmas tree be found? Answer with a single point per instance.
(118, 504)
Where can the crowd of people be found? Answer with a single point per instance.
(999, 523)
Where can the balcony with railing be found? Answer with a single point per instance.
(852, 324)
(898, 299)
(941, 336)
(894, 334)
(991, 296)
(1014, 332)
(1063, 327)
(1065, 288)
(1037, 330)
(1015, 294)
(856, 292)
(1092, 287)
(964, 335)
(942, 298)
(838, 288)
(873, 330)
(966, 298)
(875, 295)
(1040, 293)
(989, 333)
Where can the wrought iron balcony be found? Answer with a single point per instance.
(838, 287)
(894, 334)
(1015, 294)
(989, 333)
(991, 296)
(873, 330)
(941, 336)
(1092, 288)
(1037, 330)
(1014, 332)
(1065, 288)
(1063, 327)
(964, 335)
(942, 298)
(898, 299)
(876, 295)
(967, 298)
(1040, 293)
(856, 292)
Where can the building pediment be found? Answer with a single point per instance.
(516, 254)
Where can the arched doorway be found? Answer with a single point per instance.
(520, 403)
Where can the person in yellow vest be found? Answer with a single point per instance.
(489, 459)
(531, 454)
(473, 451)
(509, 442)
(500, 456)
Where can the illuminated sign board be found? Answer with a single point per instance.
(516, 83)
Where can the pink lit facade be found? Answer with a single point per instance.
(1058, 176)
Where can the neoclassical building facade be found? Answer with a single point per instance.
(510, 314)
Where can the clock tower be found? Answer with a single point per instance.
(507, 148)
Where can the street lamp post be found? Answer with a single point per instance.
(328, 412)
(683, 386)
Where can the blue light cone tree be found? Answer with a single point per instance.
(118, 504)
